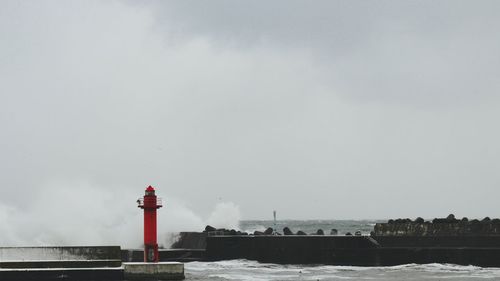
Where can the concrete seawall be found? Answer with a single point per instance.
(60, 253)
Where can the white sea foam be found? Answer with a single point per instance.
(254, 271)
(255, 228)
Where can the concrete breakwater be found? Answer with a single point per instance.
(401, 241)
(346, 250)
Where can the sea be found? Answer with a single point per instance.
(246, 270)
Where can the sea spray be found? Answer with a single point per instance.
(8, 234)
(181, 219)
(66, 213)
(225, 215)
(73, 213)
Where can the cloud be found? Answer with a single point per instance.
(332, 110)
(412, 53)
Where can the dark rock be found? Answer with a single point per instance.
(320, 232)
(391, 221)
(209, 228)
(475, 226)
(233, 232)
(348, 234)
(268, 231)
(334, 231)
(439, 220)
(449, 226)
(372, 233)
(256, 233)
(357, 233)
(287, 231)
(300, 232)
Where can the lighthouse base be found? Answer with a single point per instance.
(153, 271)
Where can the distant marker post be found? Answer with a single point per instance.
(274, 228)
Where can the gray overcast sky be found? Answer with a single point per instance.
(318, 109)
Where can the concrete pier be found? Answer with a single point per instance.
(80, 263)
(61, 263)
(153, 271)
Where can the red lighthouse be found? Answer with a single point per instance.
(150, 203)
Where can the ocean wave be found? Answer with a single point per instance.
(247, 270)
